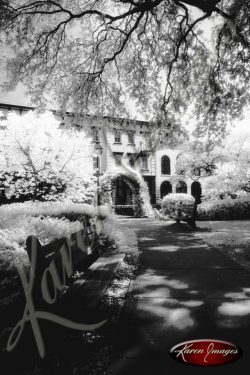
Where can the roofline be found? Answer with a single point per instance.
(14, 106)
(27, 108)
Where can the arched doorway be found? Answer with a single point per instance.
(166, 188)
(181, 187)
(196, 191)
(122, 193)
(122, 197)
(125, 194)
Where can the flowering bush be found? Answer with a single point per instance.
(41, 160)
(226, 209)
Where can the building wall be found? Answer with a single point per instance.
(160, 178)
(107, 127)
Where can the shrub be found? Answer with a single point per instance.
(171, 200)
(178, 198)
(226, 209)
(178, 205)
(23, 187)
(33, 208)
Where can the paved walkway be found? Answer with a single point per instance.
(185, 289)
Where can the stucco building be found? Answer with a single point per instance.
(125, 143)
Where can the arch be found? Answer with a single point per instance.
(123, 192)
(196, 191)
(181, 187)
(134, 199)
(165, 165)
(166, 188)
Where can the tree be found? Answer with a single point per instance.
(226, 166)
(195, 161)
(41, 160)
(95, 54)
(232, 176)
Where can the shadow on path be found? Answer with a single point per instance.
(184, 289)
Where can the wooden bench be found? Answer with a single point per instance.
(186, 211)
(96, 270)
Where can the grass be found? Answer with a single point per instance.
(230, 237)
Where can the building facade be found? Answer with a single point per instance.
(124, 145)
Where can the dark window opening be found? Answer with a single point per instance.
(117, 137)
(95, 135)
(196, 191)
(118, 157)
(123, 194)
(144, 162)
(166, 188)
(181, 187)
(131, 137)
(165, 165)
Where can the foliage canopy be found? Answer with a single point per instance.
(94, 55)
(226, 167)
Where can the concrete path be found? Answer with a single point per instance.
(184, 289)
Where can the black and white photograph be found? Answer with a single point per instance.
(124, 187)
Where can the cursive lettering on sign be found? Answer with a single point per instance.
(51, 272)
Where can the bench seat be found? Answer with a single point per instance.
(90, 288)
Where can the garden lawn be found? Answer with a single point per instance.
(230, 237)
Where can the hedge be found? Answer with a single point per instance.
(225, 209)
(179, 204)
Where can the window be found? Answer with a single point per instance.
(131, 162)
(118, 157)
(165, 165)
(181, 187)
(144, 162)
(131, 158)
(166, 188)
(196, 191)
(95, 135)
(117, 137)
(131, 137)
